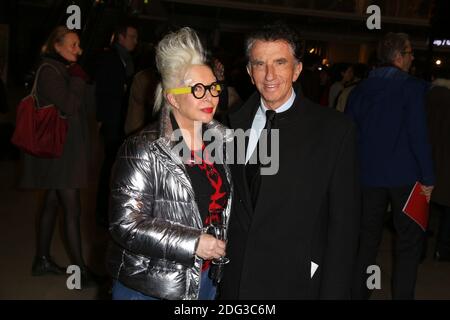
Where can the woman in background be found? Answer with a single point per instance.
(62, 82)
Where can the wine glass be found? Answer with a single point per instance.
(217, 227)
(219, 231)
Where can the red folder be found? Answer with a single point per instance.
(416, 207)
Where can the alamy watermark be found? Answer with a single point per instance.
(74, 20)
(74, 280)
(231, 148)
(374, 280)
(374, 20)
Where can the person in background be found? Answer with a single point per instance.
(310, 80)
(342, 73)
(438, 112)
(229, 98)
(324, 86)
(140, 105)
(162, 202)
(63, 83)
(389, 111)
(3, 99)
(359, 72)
(142, 93)
(114, 75)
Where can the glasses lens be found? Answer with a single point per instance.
(215, 89)
(198, 91)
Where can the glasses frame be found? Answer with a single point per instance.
(184, 90)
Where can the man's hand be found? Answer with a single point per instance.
(210, 248)
(427, 190)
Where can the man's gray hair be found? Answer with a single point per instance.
(391, 45)
(275, 32)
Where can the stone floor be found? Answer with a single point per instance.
(19, 210)
(433, 280)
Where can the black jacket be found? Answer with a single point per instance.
(75, 99)
(112, 91)
(307, 212)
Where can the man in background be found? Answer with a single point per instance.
(113, 79)
(389, 111)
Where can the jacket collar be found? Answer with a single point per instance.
(168, 144)
(177, 166)
(389, 72)
(243, 117)
(56, 58)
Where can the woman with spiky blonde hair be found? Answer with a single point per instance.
(162, 203)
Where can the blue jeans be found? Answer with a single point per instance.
(121, 292)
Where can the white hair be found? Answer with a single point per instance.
(175, 53)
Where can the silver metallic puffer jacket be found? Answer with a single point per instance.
(154, 219)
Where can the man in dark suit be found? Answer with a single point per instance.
(115, 70)
(292, 234)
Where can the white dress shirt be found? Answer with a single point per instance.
(260, 121)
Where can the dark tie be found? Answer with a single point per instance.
(252, 171)
(270, 123)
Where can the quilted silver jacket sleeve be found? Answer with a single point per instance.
(133, 223)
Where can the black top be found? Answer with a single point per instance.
(209, 182)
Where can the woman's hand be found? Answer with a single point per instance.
(210, 248)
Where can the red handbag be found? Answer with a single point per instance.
(42, 131)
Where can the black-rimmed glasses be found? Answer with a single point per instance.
(198, 90)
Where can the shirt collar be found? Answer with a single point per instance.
(284, 107)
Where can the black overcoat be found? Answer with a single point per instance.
(306, 213)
